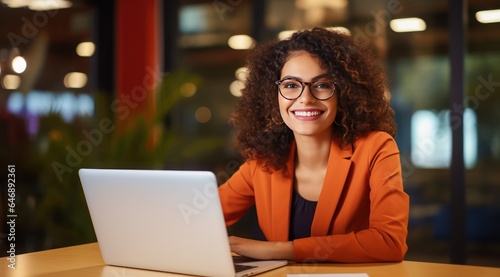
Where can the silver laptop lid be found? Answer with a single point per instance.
(159, 219)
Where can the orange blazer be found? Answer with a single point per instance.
(362, 211)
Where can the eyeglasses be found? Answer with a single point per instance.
(291, 88)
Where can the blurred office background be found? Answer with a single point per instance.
(151, 84)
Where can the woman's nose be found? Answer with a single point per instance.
(306, 95)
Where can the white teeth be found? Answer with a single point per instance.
(306, 114)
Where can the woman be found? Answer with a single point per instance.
(321, 166)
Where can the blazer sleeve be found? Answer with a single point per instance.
(384, 238)
(237, 194)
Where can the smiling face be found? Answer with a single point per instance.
(306, 115)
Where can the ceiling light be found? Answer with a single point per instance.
(286, 34)
(188, 89)
(312, 4)
(203, 114)
(11, 82)
(340, 29)
(241, 42)
(38, 5)
(411, 24)
(235, 87)
(75, 80)
(490, 16)
(241, 73)
(85, 49)
(45, 5)
(19, 64)
(16, 3)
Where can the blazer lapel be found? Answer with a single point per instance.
(339, 164)
(282, 188)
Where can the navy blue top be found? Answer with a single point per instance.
(301, 216)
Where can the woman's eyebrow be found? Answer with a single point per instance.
(324, 75)
(312, 80)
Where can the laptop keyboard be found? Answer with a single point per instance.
(241, 267)
(239, 263)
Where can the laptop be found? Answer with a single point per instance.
(163, 220)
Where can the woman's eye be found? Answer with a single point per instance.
(291, 85)
(323, 85)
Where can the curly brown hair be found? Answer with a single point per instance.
(361, 82)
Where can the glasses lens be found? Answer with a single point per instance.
(322, 89)
(290, 88)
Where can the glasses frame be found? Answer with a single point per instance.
(309, 84)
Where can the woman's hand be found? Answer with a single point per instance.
(262, 250)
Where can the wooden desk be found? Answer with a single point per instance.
(85, 260)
